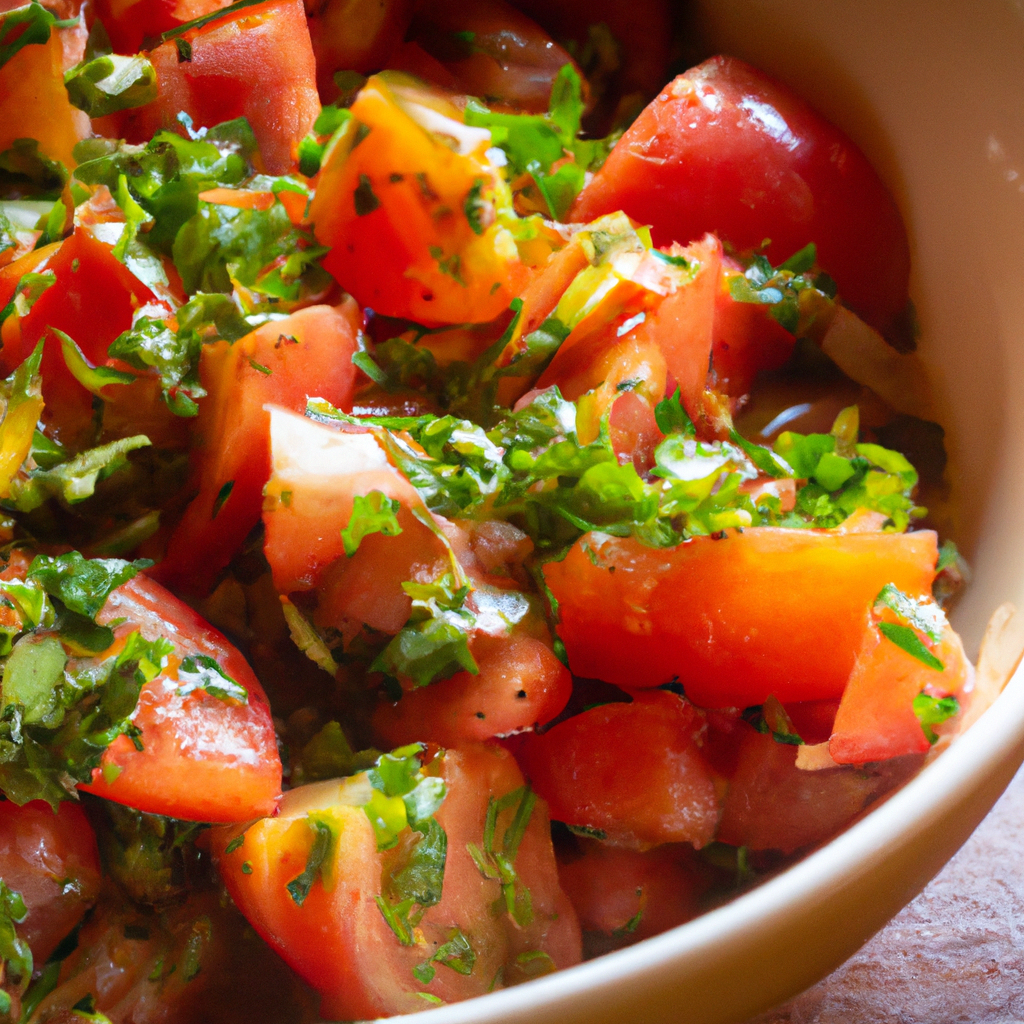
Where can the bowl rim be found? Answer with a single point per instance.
(994, 738)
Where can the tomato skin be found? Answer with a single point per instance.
(634, 771)
(876, 718)
(520, 684)
(767, 611)
(92, 300)
(52, 861)
(308, 354)
(338, 939)
(631, 894)
(132, 25)
(746, 338)
(758, 163)
(513, 61)
(221, 81)
(354, 35)
(34, 103)
(773, 805)
(393, 205)
(203, 758)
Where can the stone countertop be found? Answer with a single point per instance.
(956, 954)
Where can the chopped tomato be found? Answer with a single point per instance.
(354, 35)
(34, 103)
(92, 299)
(725, 148)
(52, 862)
(876, 718)
(766, 611)
(773, 805)
(493, 51)
(139, 23)
(633, 772)
(520, 684)
(630, 895)
(318, 473)
(203, 758)
(285, 362)
(746, 340)
(255, 63)
(337, 937)
(408, 201)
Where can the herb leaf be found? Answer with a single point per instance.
(933, 711)
(201, 672)
(371, 513)
(319, 854)
(82, 584)
(907, 639)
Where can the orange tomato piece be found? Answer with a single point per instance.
(736, 619)
(407, 200)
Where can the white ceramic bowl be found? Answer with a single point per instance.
(933, 91)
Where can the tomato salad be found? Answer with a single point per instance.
(458, 499)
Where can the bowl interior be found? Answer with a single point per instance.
(933, 94)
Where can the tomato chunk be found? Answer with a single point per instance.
(632, 771)
(876, 718)
(137, 23)
(411, 219)
(725, 148)
(520, 684)
(337, 937)
(285, 362)
(203, 758)
(257, 63)
(52, 861)
(766, 611)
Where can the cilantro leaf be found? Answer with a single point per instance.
(457, 953)
(15, 954)
(923, 615)
(671, 416)
(82, 584)
(23, 26)
(933, 711)
(110, 83)
(319, 854)
(371, 513)
(201, 672)
(907, 639)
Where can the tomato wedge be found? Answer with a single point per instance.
(203, 758)
(766, 611)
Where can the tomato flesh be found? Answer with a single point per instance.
(766, 611)
(724, 148)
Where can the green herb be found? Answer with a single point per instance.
(319, 855)
(201, 672)
(24, 26)
(456, 954)
(82, 584)
(933, 711)
(534, 142)
(924, 615)
(907, 639)
(93, 378)
(110, 83)
(222, 496)
(206, 19)
(498, 864)
(671, 416)
(371, 513)
(771, 717)
(15, 955)
(364, 198)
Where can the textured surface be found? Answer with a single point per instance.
(955, 954)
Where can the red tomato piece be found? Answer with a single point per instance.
(256, 63)
(876, 718)
(137, 23)
(339, 941)
(511, 60)
(354, 35)
(746, 339)
(411, 220)
(203, 758)
(52, 861)
(642, 29)
(633, 771)
(520, 684)
(724, 148)
(92, 300)
(773, 805)
(632, 894)
(633, 430)
(285, 362)
(767, 611)
(317, 474)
